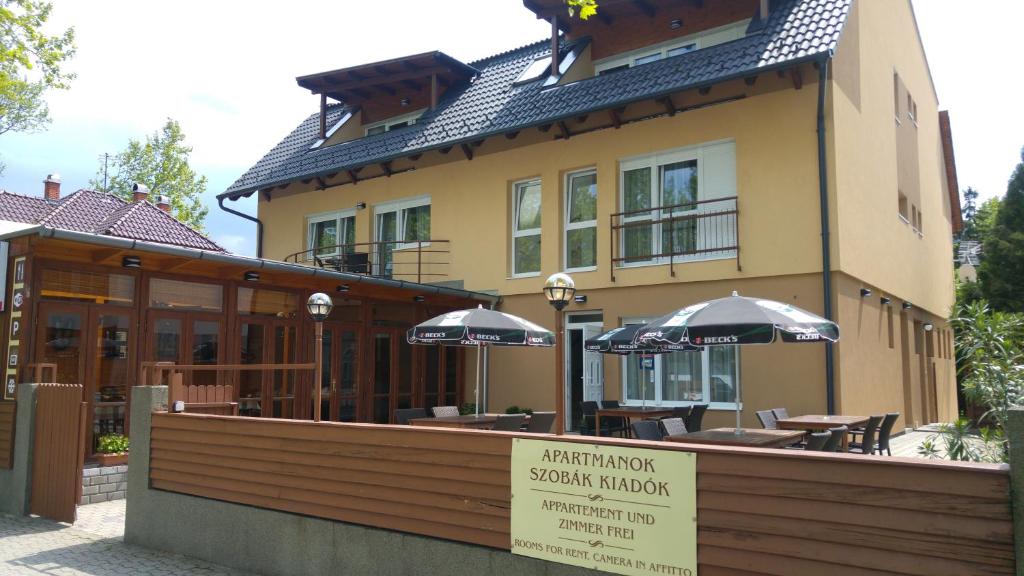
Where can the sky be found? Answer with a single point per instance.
(226, 71)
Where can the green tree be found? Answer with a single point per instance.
(161, 163)
(30, 64)
(1002, 269)
(970, 206)
(586, 8)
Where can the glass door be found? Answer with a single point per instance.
(250, 382)
(110, 372)
(187, 339)
(382, 370)
(283, 352)
(61, 340)
(340, 372)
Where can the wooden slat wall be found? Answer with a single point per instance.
(58, 451)
(759, 511)
(7, 433)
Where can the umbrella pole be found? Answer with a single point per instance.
(737, 390)
(477, 379)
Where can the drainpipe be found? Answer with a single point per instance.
(259, 224)
(826, 256)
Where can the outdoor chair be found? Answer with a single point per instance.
(869, 433)
(673, 426)
(835, 439)
(647, 430)
(681, 412)
(403, 415)
(541, 422)
(509, 422)
(588, 413)
(885, 432)
(780, 413)
(615, 423)
(443, 411)
(767, 419)
(816, 441)
(693, 421)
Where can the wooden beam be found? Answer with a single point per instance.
(581, 119)
(512, 135)
(103, 255)
(477, 143)
(321, 183)
(564, 130)
(176, 264)
(670, 107)
(645, 7)
(544, 127)
(379, 69)
(616, 116)
(796, 77)
(415, 157)
(386, 168)
(323, 116)
(433, 91)
(605, 17)
(750, 80)
(554, 44)
(409, 65)
(385, 89)
(467, 151)
(412, 85)
(266, 195)
(704, 90)
(354, 175)
(365, 82)
(445, 150)
(763, 11)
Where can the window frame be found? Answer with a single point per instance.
(659, 368)
(338, 216)
(655, 162)
(400, 207)
(568, 225)
(698, 39)
(516, 233)
(409, 119)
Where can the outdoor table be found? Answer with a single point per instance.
(628, 412)
(481, 422)
(821, 423)
(750, 437)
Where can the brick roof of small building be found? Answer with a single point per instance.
(104, 214)
(493, 103)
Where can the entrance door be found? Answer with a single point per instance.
(90, 346)
(391, 362)
(187, 338)
(340, 372)
(584, 371)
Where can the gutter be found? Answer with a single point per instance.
(259, 224)
(248, 262)
(826, 255)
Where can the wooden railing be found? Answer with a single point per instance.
(678, 233)
(216, 399)
(419, 261)
(759, 511)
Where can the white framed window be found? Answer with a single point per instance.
(707, 376)
(331, 233)
(526, 209)
(393, 123)
(581, 221)
(671, 48)
(398, 226)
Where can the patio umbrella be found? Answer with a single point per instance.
(480, 327)
(737, 320)
(622, 341)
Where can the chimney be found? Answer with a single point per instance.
(139, 192)
(163, 203)
(51, 187)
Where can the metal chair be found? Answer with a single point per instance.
(817, 440)
(693, 421)
(509, 422)
(836, 439)
(885, 432)
(780, 413)
(444, 411)
(681, 412)
(767, 419)
(403, 415)
(647, 430)
(673, 426)
(588, 413)
(541, 422)
(615, 423)
(869, 433)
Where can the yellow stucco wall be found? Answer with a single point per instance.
(872, 243)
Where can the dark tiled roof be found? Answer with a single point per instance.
(104, 214)
(796, 30)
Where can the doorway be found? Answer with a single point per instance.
(340, 373)
(391, 372)
(90, 346)
(584, 370)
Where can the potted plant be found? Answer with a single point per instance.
(112, 450)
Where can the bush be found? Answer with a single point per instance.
(113, 444)
(517, 410)
(467, 408)
(960, 442)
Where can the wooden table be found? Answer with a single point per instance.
(481, 422)
(821, 423)
(628, 412)
(750, 437)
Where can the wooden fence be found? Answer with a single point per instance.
(759, 511)
(7, 413)
(58, 451)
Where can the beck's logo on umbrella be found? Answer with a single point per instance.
(708, 340)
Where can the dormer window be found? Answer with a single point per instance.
(676, 47)
(535, 70)
(393, 123)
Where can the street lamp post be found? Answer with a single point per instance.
(559, 290)
(319, 306)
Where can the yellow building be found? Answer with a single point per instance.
(670, 152)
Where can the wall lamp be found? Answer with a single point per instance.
(885, 300)
(928, 326)
(251, 276)
(580, 299)
(342, 288)
(418, 298)
(675, 24)
(865, 292)
(360, 205)
(907, 305)
(404, 101)
(131, 262)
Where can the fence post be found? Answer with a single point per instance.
(1015, 436)
(145, 400)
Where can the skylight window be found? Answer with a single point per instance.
(535, 70)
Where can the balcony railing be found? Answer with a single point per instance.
(418, 261)
(701, 230)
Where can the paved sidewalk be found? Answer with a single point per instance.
(92, 547)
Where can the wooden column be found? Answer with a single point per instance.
(433, 91)
(323, 116)
(554, 44)
(764, 10)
